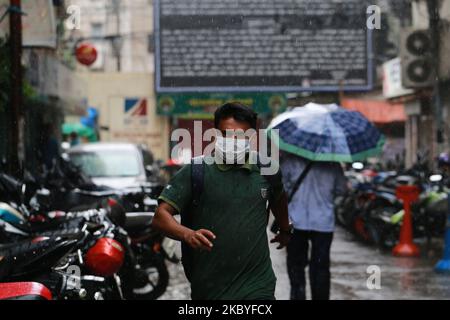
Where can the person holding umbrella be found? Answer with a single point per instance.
(314, 140)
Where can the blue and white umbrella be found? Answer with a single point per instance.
(326, 133)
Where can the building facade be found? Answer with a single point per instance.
(120, 83)
(121, 30)
(51, 88)
(425, 138)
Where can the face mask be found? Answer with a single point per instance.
(231, 151)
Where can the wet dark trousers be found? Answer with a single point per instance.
(319, 264)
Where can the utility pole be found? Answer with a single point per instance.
(15, 36)
(435, 25)
(117, 40)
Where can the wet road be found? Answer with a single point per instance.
(400, 278)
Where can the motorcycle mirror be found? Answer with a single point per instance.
(436, 178)
(358, 166)
(43, 192)
(116, 212)
(149, 170)
(65, 145)
(65, 157)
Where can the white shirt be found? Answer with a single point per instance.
(312, 207)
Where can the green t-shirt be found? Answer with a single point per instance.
(233, 207)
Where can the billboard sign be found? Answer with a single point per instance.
(262, 45)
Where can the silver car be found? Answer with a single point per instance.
(115, 165)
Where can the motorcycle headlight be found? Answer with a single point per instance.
(150, 202)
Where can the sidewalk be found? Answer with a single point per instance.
(401, 278)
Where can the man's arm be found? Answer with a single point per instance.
(341, 185)
(280, 212)
(165, 223)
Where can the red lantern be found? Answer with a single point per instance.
(86, 54)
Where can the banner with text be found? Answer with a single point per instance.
(206, 104)
(262, 45)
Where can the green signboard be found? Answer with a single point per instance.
(201, 104)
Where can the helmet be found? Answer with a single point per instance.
(444, 159)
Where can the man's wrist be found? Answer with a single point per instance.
(186, 234)
(286, 231)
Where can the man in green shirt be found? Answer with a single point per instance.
(230, 252)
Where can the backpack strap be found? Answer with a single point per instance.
(197, 179)
(300, 180)
(273, 180)
(197, 183)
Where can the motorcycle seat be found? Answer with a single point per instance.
(28, 256)
(385, 189)
(24, 247)
(56, 227)
(24, 291)
(138, 220)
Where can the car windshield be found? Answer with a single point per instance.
(107, 163)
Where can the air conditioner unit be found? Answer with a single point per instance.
(417, 58)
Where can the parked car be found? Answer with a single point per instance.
(116, 165)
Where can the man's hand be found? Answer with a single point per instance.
(280, 211)
(200, 240)
(283, 239)
(165, 223)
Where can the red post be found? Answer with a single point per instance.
(406, 246)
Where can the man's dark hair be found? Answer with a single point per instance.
(238, 112)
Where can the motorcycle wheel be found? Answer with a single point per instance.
(374, 235)
(381, 233)
(150, 280)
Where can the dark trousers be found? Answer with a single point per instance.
(319, 264)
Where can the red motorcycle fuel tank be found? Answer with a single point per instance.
(105, 258)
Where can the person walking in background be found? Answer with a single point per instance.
(311, 211)
(50, 150)
(74, 139)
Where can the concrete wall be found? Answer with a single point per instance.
(108, 91)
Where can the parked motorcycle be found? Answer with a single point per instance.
(42, 205)
(373, 213)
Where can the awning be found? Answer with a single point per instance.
(377, 111)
